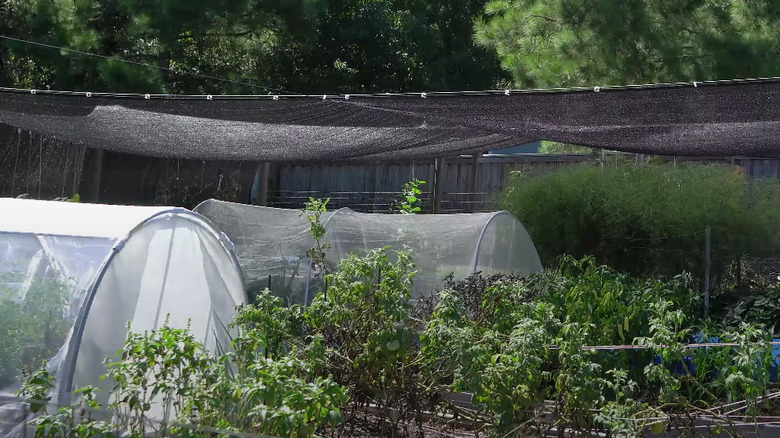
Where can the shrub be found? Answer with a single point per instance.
(647, 220)
(364, 324)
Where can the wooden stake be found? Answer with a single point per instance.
(707, 265)
(265, 174)
(438, 185)
(97, 175)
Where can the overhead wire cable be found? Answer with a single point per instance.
(282, 93)
(143, 64)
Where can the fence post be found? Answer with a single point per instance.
(438, 184)
(262, 175)
(707, 265)
(473, 181)
(97, 174)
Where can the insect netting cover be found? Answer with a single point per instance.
(275, 242)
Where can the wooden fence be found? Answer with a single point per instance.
(467, 183)
(42, 167)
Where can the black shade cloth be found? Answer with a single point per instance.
(705, 119)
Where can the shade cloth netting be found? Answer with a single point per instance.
(733, 118)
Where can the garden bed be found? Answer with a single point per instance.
(500, 356)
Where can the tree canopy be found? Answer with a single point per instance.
(256, 46)
(331, 46)
(548, 43)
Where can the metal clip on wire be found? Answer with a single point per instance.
(346, 97)
(148, 96)
(424, 95)
(33, 91)
(506, 92)
(89, 94)
(596, 89)
(209, 97)
(276, 97)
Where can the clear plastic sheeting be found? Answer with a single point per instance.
(272, 242)
(67, 291)
(43, 281)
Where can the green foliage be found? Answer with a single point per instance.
(761, 308)
(313, 211)
(161, 368)
(647, 220)
(497, 342)
(309, 46)
(514, 343)
(499, 359)
(384, 45)
(267, 327)
(668, 335)
(364, 325)
(264, 395)
(74, 198)
(33, 323)
(554, 147)
(615, 42)
(612, 305)
(409, 199)
(36, 387)
(231, 40)
(77, 421)
(164, 382)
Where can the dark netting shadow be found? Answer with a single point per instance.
(710, 118)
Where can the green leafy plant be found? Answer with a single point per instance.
(77, 421)
(165, 382)
(409, 200)
(36, 386)
(33, 324)
(75, 198)
(760, 307)
(313, 211)
(554, 147)
(365, 329)
(514, 343)
(267, 328)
